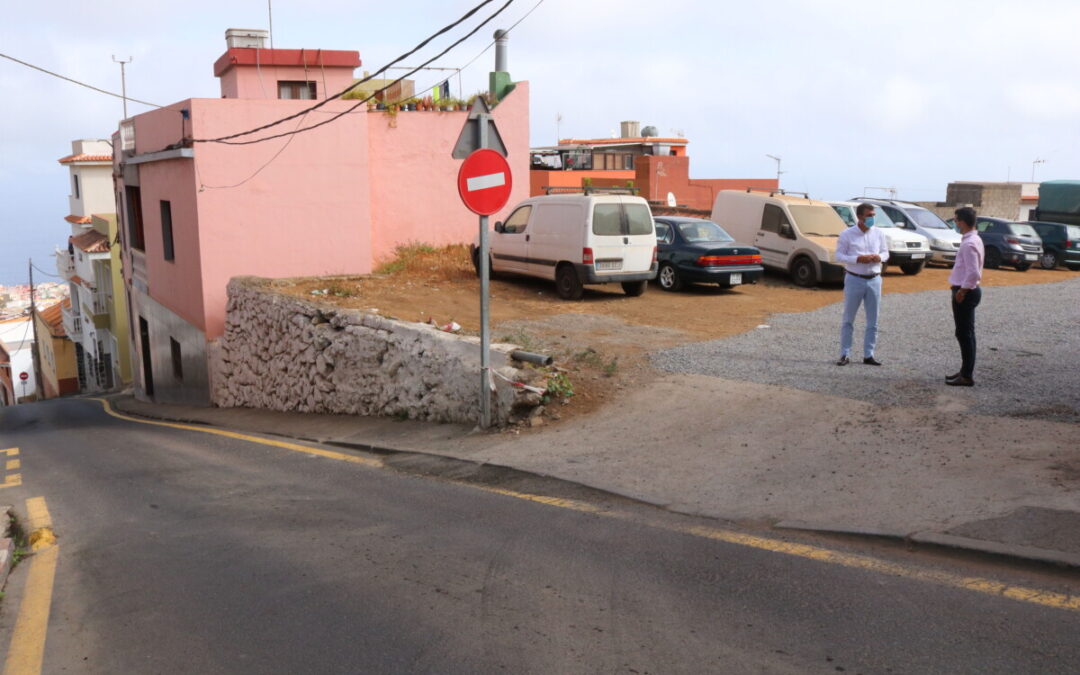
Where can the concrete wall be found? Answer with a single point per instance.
(993, 200)
(285, 353)
(193, 388)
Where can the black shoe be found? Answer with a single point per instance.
(871, 361)
(961, 382)
(954, 376)
(843, 361)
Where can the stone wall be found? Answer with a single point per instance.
(285, 353)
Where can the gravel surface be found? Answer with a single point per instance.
(1028, 360)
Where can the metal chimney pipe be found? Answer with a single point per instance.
(501, 39)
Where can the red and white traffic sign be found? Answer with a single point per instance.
(484, 182)
(24, 376)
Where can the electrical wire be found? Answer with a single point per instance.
(48, 274)
(270, 161)
(492, 43)
(424, 43)
(81, 84)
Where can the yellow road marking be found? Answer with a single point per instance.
(12, 464)
(824, 555)
(27, 649)
(12, 480)
(11, 452)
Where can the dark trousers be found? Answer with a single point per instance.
(964, 318)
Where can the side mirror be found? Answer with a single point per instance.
(499, 227)
(786, 231)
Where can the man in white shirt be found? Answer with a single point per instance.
(863, 251)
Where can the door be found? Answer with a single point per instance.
(509, 248)
(775, 237)
(148, 369)
(555, 235)
(640, 241)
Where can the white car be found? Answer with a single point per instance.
(908, 250)
(944, 241)
(576, 239)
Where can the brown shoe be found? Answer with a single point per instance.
(961, 382)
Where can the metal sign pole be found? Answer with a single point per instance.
(485, 303)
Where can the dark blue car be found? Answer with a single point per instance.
(691, 250)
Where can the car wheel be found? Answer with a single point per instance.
(1022, 267)
(1048, 260)
(635, 288)
(567, 283)
(992, 259)
(476, 265)
(911, 268)
(668, 278)
(803, 272)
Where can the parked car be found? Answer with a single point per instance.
(1008, 243)
(944, 241)
(907, 250)
(692, 250)
(1061, 244)
(576, 239)
(795, 234)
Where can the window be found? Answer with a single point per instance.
(983, 225)
(773, 219)
(607, 220)
(135, 220)
(663, 233)
(296, 90)
(177, 360)
(166, 229)
(75, 181)
(518, 221)
(638, 219)
(898, 217)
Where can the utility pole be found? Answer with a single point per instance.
(123, 79)
(270, 16)
(37, 345)
(778, 171)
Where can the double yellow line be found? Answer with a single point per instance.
(27, 650)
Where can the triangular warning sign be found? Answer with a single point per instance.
(468, 141)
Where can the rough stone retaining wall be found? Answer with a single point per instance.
(285, 353)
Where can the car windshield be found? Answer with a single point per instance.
(927, 219)
(1023, 229)
(817, 221)
(704, 230)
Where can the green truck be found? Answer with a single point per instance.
(1057, 221)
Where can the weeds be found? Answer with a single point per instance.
(592, 359)
(558, 387)
(448, 263)
(523, 340)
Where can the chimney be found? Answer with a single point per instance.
(631, 129)
(501, 41)
(246, 38)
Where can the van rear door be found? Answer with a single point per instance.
(622, 237)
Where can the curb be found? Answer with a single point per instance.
(7, 545)
(1011, 551)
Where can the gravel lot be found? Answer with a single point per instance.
(1028, 360)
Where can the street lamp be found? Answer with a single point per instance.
(1033, 164)
(778, 171)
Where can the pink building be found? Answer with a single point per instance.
(334, 200)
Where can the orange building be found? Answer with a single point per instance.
(7, 388)
(656, 166)
(55, 352)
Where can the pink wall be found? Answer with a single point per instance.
(304, 213)
(254, 73)
(414, 178)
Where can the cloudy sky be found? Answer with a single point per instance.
(910, 94)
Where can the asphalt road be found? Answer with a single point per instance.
(183, 552)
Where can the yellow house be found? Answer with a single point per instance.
(116, 297)
(55, 353)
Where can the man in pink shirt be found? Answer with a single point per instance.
(966, 294)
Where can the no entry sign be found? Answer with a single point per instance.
(24, 376)
(484, 182)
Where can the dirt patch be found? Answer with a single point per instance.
(606, 326)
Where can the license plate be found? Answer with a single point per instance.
(917, 256)
(735, 278)
(608, 265)
(1031, 256)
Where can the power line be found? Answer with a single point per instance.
(48, 274)
(492, 43)
(268, 162)
(424, 43)
(81, 84)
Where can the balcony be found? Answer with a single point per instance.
(65, 264)
(72, 322)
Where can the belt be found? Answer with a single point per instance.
(861, 276)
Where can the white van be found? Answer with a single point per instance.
(797, 235)
(578, 239)
(907, 250)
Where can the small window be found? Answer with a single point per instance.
(135, 219)
(983, 225)
(663, 233)
(638, 219)
(296, 90)
(518, 221)
(607, 220)
(166, 229)
(75, 182)
(773, 219)
(898, 217)
(177, 360)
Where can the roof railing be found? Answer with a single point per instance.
(772, 191)
(590, 189)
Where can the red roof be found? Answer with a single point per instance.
(91, 242)
(53, 318)
(312, 58)
(78, 220)
(83, 157)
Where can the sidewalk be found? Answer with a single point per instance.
(766, 455)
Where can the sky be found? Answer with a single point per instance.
(906, 94)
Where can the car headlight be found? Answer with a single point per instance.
(897, 245)
(940, 243)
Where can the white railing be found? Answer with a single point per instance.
(100, 304)
(72, 322)
(65, 264)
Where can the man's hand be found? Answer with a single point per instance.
(869, 258)
(960, 295)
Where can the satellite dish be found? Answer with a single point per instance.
(671, 200)
(649, 131)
